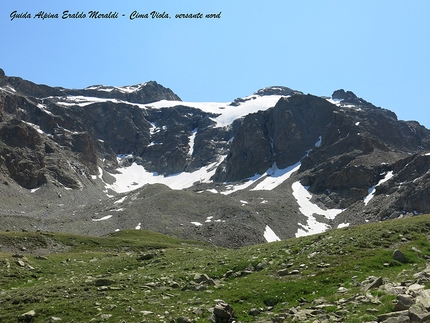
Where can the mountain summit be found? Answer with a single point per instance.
(273, 165)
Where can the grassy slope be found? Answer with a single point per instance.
(68, 283)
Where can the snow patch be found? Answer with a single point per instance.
(103, 218)
(120, 200)
(319, 142)
(372, 190)
(197, 224)
(139, 226)
(342, 225)
(308, 209)
(231, 188)
(191, 142)
(135, 176)
(226, 113)
(276, 177)
(269, 235)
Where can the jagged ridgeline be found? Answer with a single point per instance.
(273, 165)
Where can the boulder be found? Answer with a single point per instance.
(399, 256)
(222, 313)
(27, 317)
(419, 314)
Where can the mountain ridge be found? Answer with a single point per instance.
(277, 159)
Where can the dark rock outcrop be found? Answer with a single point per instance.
(22, 154)
(281, 135)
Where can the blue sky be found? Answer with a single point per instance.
(379, 49)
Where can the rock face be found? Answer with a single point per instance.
(22, 154)
(280, 135)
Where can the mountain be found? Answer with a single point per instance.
(276, 164)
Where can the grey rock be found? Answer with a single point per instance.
(399, 256)
(423, 298)
(415, 289)
(203, 279)
(374, 283)
(104, 282)
(20, 263)
(283, 272)
(404, 301)
(254, 312)
(146, 256)
(41, 258)
(27, 317)
(386, 316)
(419, 314)
(223, 313)
(54, 319)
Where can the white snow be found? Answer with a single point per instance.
(135, 176)
(103, 218)
(36, 127)
(269, 235)
(342, 225)
(8, 88)
(123, 89)
(138, 226)
(372, 190)
(237, 187)
(34, 189)
(243, 202)
(191, 142)
(357, 123)
(197, 224)
(308, 209)
(226, 113)
(318, 143)
(120, 200)
(335, 101)
(266, 182)
(44, 108)
(275, 177)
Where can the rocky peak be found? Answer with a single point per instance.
(277, 90)
(2, 77)
(347, 97)
(140, 93)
